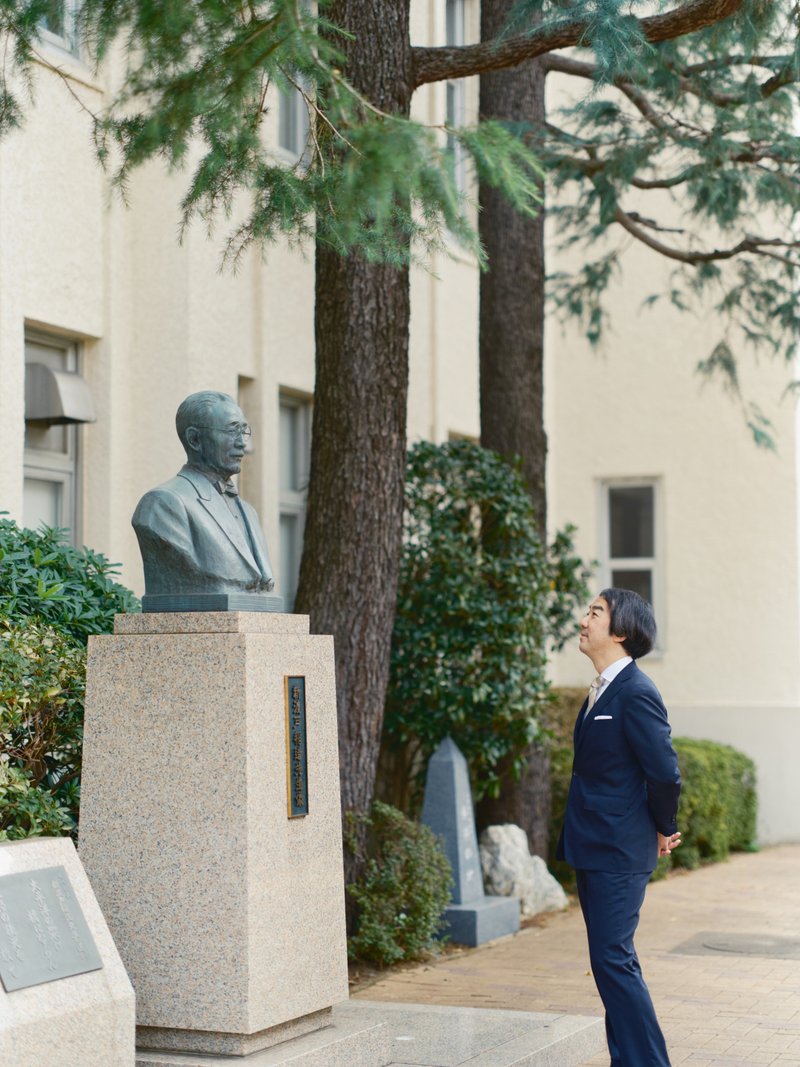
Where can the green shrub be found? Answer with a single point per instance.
(403, 889)
(42, 674)
(718, 802)
(479, 599)
(717, 811)
(52, 597)
(70, 588)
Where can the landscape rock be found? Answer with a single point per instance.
(510, 870)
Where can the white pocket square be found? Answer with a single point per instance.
(597, 718)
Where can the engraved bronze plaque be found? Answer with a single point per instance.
(296, 752)
(43, 934)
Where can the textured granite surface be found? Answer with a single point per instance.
(210, 622)
(228, 914)
(366, 1034)
(86, 1020)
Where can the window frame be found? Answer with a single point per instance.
(292, 502)
(59, 467)
(456, 92)
(654, 564)
(69, 41)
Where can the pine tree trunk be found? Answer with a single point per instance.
(351, 554)
(511, 370)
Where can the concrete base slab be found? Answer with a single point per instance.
(482, 920)
(350, 1039)
(371, 1034)
(425, 1035)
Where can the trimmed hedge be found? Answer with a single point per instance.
(718, 803)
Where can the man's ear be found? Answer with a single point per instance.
(619, 640)
(192, 437)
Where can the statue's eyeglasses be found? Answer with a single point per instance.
(231, 431)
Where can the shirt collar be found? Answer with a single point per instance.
(615, 668)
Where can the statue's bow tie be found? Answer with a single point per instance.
(227, 488)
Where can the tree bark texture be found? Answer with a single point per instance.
(511, 343)
(351, 555)
(511, 334)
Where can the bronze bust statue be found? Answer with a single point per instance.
(196, 535)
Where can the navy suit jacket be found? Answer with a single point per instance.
(625, 780)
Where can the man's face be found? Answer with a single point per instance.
(595, 641)
(218, 445)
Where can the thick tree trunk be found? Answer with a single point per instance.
(351, 555)
(511, 368)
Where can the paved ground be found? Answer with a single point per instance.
(735, 1005)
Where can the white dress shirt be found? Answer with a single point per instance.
(609, 674)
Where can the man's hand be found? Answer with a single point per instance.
(666, 844)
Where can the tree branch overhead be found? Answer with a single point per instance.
(439, 64)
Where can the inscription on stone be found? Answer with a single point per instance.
(296, 752)
(43, 934)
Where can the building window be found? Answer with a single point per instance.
(630, 536)
(50, 493)
(293, 122)
(456, 114)
(295, 454)
(60, 26)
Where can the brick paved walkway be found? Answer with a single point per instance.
(718, 1009)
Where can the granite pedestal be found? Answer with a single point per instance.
(228, 913)
(85, 1018)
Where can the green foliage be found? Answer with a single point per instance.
(479, 599)
(403, 889)
(718, 802)
(197, 80)
(70, 588)
(41, 728)
(688, 146)
(52, 597)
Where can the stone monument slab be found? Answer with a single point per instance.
(64, 996)
(473, 917)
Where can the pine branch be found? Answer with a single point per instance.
(637, 227)
(440, 64)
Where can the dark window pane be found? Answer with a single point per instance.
(631, 521)
(640, 582)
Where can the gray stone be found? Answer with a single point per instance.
(447, 809)
(428, 1035)
(510, 870)
(229, 915)
(86, 1019)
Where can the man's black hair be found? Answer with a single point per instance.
(631, 617)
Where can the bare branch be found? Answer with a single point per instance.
(636, 227)
(439, 64)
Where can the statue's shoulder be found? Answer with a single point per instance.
(173, 493)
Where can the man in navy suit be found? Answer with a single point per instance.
(621, 814)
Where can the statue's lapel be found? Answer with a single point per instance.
(216, 507)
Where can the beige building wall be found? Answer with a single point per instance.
(157, 320)
(726, 589)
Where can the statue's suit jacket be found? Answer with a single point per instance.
(625, 780)
(192, 544)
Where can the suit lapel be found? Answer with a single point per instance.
(610, 694)
(216, 507)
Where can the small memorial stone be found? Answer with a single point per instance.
(43, 934)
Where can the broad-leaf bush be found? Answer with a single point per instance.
(52, 597)
(71, 588)
(403, 889)
(480, 599)
(42, 678)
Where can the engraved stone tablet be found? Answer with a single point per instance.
(43, 934)
(296, 754)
